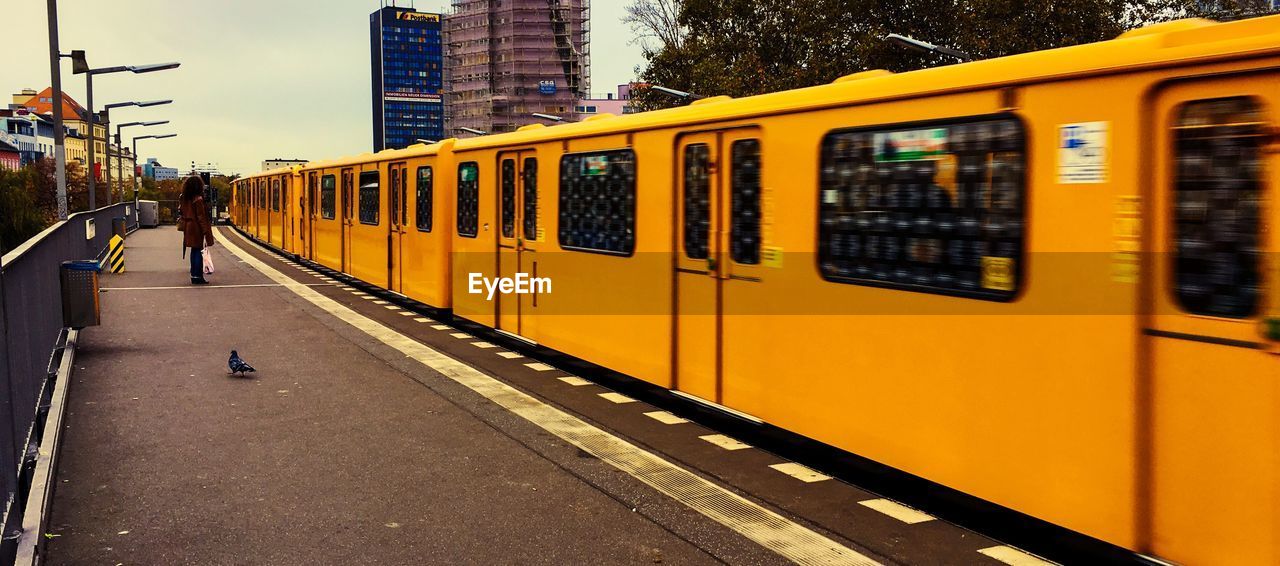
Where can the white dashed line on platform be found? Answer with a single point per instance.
(1014, 557)
(407, 313)
(539, 366)
(348, 288)
(665, 417)
(484, 345)
(367, 297)
(800, 472)
(392, 308)
(422, 320)
(440, 326)
(379, 302)
(897, 511)
(617, 398)
(460, 335)
(725, 442)
(574, 380)
(510, 355)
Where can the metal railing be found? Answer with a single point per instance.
(31, 333)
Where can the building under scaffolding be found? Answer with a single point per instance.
(506, 59)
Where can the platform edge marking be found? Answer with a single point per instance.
(726, 442)
(1014, 557)
(897, 511)
(666, 417)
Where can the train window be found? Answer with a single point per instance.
(275, 195)
(598, 202)
(404, 196)
(1217, 203)
(530, 219)
(468, 199)
(328, 197)
(395, 195)
(370, 197)
(508, 198)
(744, 202)
(932, 208)
(348, 200)
(425, 200)
(697, 200)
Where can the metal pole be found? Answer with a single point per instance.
(59, 144)
(135, 175)
(106, 143)
(93, 161)
(119, 162)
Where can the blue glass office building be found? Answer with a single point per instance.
(408, 67)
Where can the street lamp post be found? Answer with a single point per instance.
(59, 141)
(683, 95)
(120, 152)
(135, 154)
(106, 111)
(548, 117)
(80, 66)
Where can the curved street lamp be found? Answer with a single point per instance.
(120, 158)
(80, 66)
(135, 153)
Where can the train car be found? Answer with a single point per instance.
(1043, 280)
(378, 218)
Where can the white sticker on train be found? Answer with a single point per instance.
(1083, 154)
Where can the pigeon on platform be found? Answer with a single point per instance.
(238, 365)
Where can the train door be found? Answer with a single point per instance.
(398, 191)
(273, 208)
(309, 218)
(287, 231)
(1211, 386)
(517, 173)
(717, 220)
(348, 216)
(259, 208)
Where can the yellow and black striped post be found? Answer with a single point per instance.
(115, 254)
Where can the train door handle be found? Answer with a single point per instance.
(711, 264)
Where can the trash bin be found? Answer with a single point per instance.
(80, 293)
(118, 227)
(148, 213)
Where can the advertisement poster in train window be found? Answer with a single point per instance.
(595, 165)
(930, 144)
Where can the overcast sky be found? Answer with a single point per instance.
(259, 78)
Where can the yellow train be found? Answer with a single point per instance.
(1046, 280)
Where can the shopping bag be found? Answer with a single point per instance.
(208, 262)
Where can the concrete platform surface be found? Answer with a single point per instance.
(326, 455)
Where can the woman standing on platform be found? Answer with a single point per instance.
(193, 220)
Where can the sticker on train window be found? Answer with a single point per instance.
(997, 273)
(910, 145)
(595, 165)
(467, 174)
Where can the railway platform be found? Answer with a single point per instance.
(372, 433)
